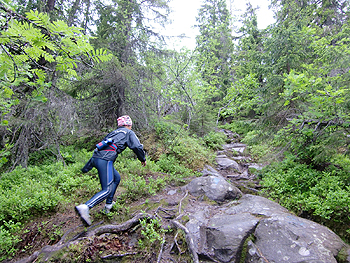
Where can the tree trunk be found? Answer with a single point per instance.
(72, 12)
(50, 5)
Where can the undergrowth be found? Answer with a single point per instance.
(29, 193)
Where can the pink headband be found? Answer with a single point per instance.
(124, 121)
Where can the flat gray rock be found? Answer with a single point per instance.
(215, 188)
(294, 239)
(225, 163)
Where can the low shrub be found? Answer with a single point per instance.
(190, 151)
(170, 165)
(9, 238)
(215, 140)
(323, 194)
(32, 192)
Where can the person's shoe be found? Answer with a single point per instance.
(83, 212)
(108, 208)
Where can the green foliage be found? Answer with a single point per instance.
(192, 153)
(242, 97)
(4, 153)
(250, 43)
(27, 193)
(169, 164)
(137, 186)
(6, 102)
(215, 140)
(259, 147)
(168, 132)
(36, 190)
(152, 232)
(139, 181)
(26, 41)
(300, 188)
(45, 157)
(241, 127)
(9, 238)
(189, 150)
(214, 50)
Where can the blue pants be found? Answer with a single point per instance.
(109, 180)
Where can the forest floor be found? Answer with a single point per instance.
(65, 226)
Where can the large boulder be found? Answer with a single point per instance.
(263, 228)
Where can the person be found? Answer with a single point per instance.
(103, 159)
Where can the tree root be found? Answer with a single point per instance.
(161, 250)
(118, 228)
(189, 240)
(182, 200)
(112, 256)
(47, 251)
(167, 215)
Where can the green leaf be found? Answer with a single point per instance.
(40, 98)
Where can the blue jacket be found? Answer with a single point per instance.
(121, 138)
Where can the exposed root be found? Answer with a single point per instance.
(165, 211)
(161, 250)
(181, 201)
(48, 250)
(118, 228)
(189, 240)
(118, 255)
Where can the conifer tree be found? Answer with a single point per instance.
(215, 46)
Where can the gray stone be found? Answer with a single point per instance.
(226, 234)
(279, 236)
(267, 231)
(256, 205)
(208, 170)
(225, 163)
(294, 239)
(256, 166)
(215, 188)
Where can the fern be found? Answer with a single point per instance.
(40, 19)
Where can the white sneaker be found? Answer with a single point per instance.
(108, 208)
(83, 211)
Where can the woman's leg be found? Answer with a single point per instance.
(106, 175)
(114, 186)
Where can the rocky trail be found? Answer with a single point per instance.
(218, 217)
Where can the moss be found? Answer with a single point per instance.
(245, 248)
(185, 219)
(343, 255)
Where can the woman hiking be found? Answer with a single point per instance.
(103, 159)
